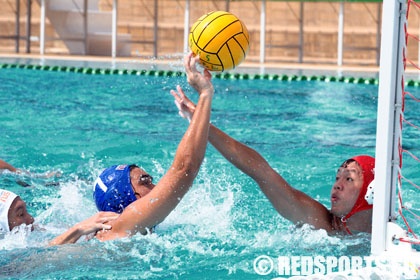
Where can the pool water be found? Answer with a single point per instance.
(79, 124)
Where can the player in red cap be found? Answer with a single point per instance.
(351, 196)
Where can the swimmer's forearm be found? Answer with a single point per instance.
(243, 157)
(188, 159)
(69, 237)
(5, 165)
(191, 150)
(193, 144)
(91, 225)
(292, 204)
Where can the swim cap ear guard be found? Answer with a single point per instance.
(113, 190)
(370, 192)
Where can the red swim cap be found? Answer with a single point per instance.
(367, 163)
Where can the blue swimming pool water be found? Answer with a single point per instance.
(79, 124)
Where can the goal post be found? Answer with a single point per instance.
(388, 130)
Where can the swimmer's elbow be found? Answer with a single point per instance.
(189, 164)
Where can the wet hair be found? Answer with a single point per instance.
(132, 166)
(347, 162)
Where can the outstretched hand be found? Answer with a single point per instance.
(185, 106)
(99, 221)
(199, 81)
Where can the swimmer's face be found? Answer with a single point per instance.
(18, 214)
(141, 181)
(346, 189)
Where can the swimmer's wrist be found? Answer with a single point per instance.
(207, 91)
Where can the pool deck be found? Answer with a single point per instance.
(175, 63)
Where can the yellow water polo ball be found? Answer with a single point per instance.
(220, 39)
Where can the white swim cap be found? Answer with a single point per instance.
(6, 199)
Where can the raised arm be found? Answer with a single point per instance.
(152, 209)
(292, 204)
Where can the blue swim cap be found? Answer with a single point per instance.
(113, 190)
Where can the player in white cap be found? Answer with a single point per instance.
(13, 213)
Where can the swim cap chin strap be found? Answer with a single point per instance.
(365, 199)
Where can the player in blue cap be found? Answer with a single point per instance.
(114, 189)
(127, 189)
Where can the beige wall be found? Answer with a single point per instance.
(320, 28)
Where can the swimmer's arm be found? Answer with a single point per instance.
(97, 222)
(289, 202)
(292, 204)
(144, 213)
(152, 209)
(7, 166)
